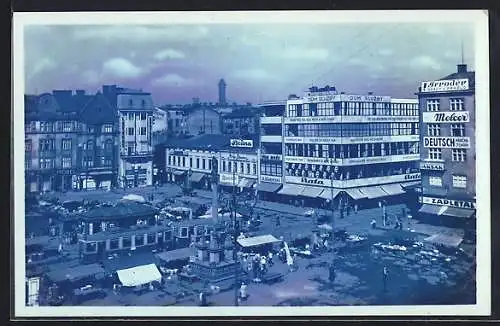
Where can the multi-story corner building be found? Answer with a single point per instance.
(271, 148)
(70, 142)
(189, 161)
(241, 122)
(448, 159)
(135, 113)
(353, 148)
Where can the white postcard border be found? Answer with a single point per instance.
(477, 17)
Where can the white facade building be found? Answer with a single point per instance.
(135, 110)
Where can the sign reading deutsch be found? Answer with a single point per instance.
(444, 85)
(241, 143)
(448, 202)
(447, 142)
(445, 117)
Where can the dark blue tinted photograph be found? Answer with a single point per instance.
(243, 164)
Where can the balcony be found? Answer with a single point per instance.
(130, 153)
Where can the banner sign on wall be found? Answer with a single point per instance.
(445, 117)
(445, 85)
(447, 142)
(448, 202)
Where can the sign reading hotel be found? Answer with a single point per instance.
(447, 142)
(445, 117)
(444, 85)
(246, 143)
(448, 202)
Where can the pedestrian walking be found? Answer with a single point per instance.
(278, 222)
(373, 224)
(385, 276)
(332, 274)
(356, 208)
(243, 291)
(270, 258)
(203, 299)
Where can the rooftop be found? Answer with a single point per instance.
(245, 112)
(209, 143)
(120, 210)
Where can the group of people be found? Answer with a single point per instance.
(257, 265)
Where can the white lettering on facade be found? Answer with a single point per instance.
(444, 85)
(445, 117)
(449, 202)
(447, 142)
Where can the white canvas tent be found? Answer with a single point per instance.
(133, 197)
(139, 275)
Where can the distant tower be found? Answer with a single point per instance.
(222, 92)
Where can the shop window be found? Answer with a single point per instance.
(127, 242)
(184, 232)
(114, 244)
(167, 236)
(139, 240)
(151, 238)
(91, 247)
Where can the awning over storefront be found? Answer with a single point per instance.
(373, 192)
(291, 190)
(139, 275)
(177, 172)
(312, 192)
(327, 193)
(410, 185)
(393, 189)
(458, 212)
(430, 209)
(268, 187)
(197, 176)
(355, 193)
(257, 241)
(245, 183)
(177, 254)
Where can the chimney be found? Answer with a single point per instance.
(461, 68)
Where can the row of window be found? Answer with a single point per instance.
(272, 169)
(456, 129)
(244, 168)
(181, 161)
(45, 145)
(141, 116)
(64, 126)
(132, 147)
(456, 104)
(67, 162)
(457, 155)
(352, 109)
(350, 172)
(351, 129)
(458, 181)
(353, 150)
(131, 131)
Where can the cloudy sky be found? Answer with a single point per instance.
(259, 62)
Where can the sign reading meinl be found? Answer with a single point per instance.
(445, 117)
(247, 143)
(445, 85)
(446, 142)
(449, 202)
